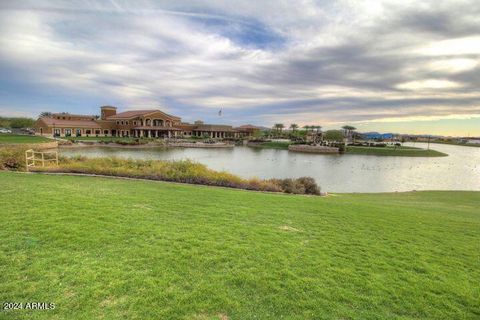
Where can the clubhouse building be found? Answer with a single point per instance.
(135, 123)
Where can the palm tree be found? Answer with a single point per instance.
(317, 129)
(348, 130)
(294, 127)
(279, 127)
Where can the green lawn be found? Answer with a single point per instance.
(102, 248)
(392, 151)
(18, 138)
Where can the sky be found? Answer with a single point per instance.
(388, 66)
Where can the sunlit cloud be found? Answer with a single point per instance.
(453, 65)
(461, 46)
(428, 84)
(261, 62)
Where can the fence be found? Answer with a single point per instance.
(33, 157)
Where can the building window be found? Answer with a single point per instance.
(126, 122)
(68, 132)
(78, 132)
(134, 123)
(105, 132)
(118, 122)
(88, 131)
(122, 123)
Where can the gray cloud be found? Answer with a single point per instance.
(326, 62)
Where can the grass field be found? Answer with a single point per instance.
(398, 151)
(103, 248)
(386, 151)
(17, 138)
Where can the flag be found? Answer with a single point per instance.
(220, 113)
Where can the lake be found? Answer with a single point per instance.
(334, 173)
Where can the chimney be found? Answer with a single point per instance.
(108, 111)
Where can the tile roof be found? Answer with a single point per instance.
(136, 113)
(213, 127)
(130, 114)
(70, 123)
(161, 128)
(66, 114)
(248, 126)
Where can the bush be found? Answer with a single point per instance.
(179, 171)
(259, 140)
(303, 185)
(12, 158)
(310, 185)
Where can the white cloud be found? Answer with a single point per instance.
(453, 65)
(428, 84)
(457, 46)
(346, 56)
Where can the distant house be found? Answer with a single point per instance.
(135, 123)
(377, 136)
(473, 141)
(247, 130)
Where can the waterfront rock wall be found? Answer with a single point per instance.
(200, 145)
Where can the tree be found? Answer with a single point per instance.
(334, 135)
(348, 130)
(45, 114)
(21, 123)
(294, 127)
(278, 127)
(317, 133)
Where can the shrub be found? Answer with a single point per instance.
(259, 140)
(292, 186)
(184, 171)
(310, 185)
(12, 158)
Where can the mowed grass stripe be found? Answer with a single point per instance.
(110, 248)
(19, 138)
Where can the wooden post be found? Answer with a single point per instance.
(56, 157)
(26, 160)
(43, 160)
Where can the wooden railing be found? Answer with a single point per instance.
(33, 157)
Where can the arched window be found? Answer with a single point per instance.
(148, 122)
(158, 123)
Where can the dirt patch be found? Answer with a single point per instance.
(288, 228)
(203, 316)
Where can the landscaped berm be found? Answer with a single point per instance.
(109, 248)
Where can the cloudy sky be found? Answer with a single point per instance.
(401, 66)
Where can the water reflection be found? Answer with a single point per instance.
(335, 173)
